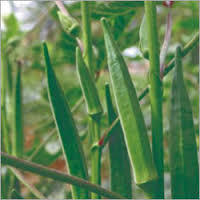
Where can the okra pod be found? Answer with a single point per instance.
(120, 174)
(184, 166)
(18, 135)
(67, 130)
(131, 117)
(94, 108)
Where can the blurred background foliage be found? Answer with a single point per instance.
(21, 41)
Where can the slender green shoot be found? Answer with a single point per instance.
(155, 94)
(94, 110)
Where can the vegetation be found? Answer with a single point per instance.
(78, 108)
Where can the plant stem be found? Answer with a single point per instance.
(166, 42)
(87, 36)
(94, 129)
(155, 95)
(187, 48)
(56, 175)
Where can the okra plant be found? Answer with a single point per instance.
(96, 128)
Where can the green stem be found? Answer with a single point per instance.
(56, 175)
(87, 36)
(94, 128)
(187, 48)
(155, 94)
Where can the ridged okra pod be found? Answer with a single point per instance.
(184, 166)
(67, 130)
(131, 117)
(95, 111)
(120, 169)
(18, 135)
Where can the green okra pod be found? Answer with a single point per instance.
(131, 117)
(67, 130)
(18, 135)
(69, 24)
(89, 89)
(120, 174)
(184, 168)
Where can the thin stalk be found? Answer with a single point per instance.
(56, 175)
(155, 94)
(31, 188)
(94, 129)
(94, 110)
(42, 145)
(87, 36)
(188, 47)
(166, 42)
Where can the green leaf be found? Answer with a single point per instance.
(120, 174)
(184, 166)
(130, 114)
(68, 134)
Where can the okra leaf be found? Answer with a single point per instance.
(67, 130)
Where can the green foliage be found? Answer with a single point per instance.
(44, 142)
